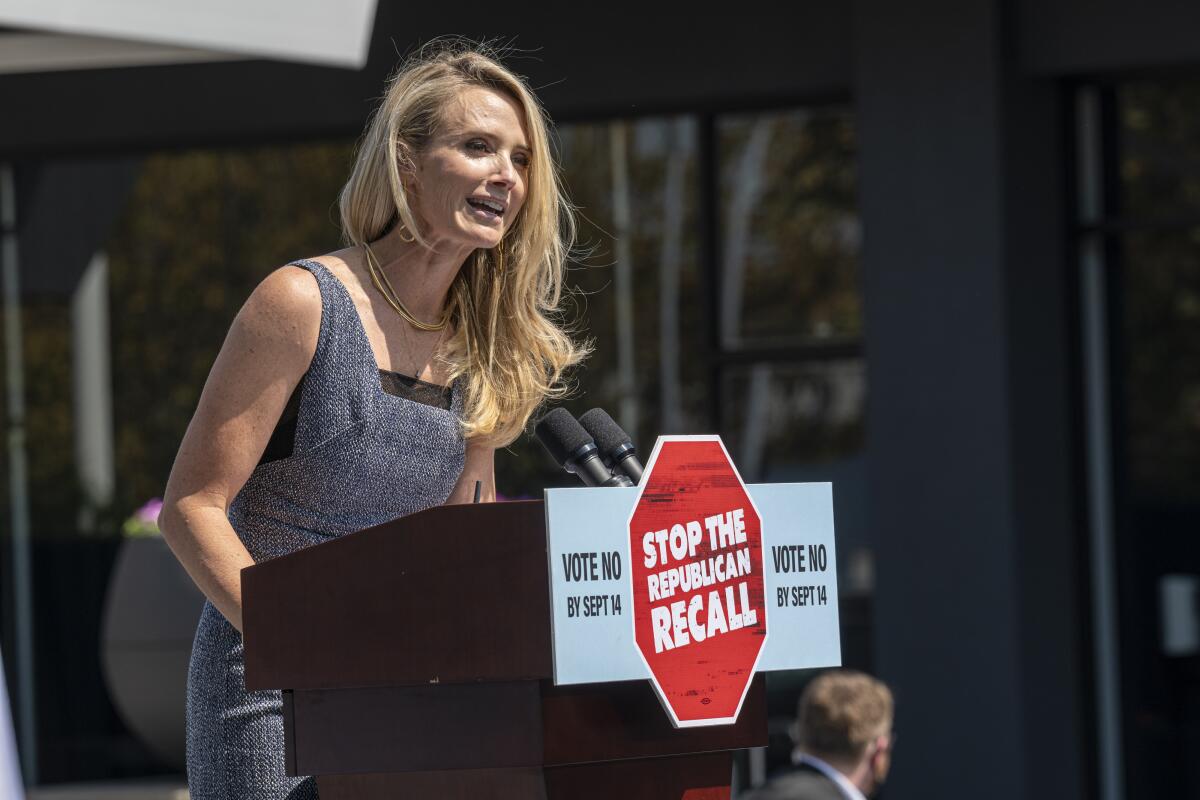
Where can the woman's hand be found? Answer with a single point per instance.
(266, 353)
(480, 466)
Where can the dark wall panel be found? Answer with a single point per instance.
(1050, 547)
(968, 468)
(1059, 37)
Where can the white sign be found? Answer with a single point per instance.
(591, 593)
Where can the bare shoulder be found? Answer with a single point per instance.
(284, 308)
(288, 291)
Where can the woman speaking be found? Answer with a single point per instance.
(374, 381)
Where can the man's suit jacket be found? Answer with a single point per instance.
(799, 783)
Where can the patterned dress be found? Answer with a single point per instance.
(360, 456)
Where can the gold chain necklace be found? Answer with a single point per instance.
(416, 368)
(384, 287)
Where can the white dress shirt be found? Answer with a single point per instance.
(848, 789)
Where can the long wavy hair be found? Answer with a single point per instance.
(509, 346)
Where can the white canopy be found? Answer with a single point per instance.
(93, 33)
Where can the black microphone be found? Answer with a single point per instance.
(615, 445)
(570, 446)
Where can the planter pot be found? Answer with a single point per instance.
(150, 615)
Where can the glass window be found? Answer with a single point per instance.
(784, 415)
(790, 227)
(1158, 206)
(1158, 131)
(1149, 226)
(1161, 320)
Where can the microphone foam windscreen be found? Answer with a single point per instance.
(561, 434)
(607, 433)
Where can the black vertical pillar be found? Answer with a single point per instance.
(969, 458)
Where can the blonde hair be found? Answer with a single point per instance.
(841, 712)
(508, 346)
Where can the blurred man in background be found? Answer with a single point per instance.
(844, 739)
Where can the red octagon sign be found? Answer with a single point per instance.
(696, 563)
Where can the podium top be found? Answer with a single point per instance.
(452, 594)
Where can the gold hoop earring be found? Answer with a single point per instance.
(403, 230)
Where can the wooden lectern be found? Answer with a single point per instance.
(415, 662)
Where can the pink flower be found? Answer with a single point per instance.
(149, 512)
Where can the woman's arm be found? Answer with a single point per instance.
(267, 351)
(480, 466)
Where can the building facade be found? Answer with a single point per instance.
(944, 254)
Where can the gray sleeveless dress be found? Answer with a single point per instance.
(361, 457)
